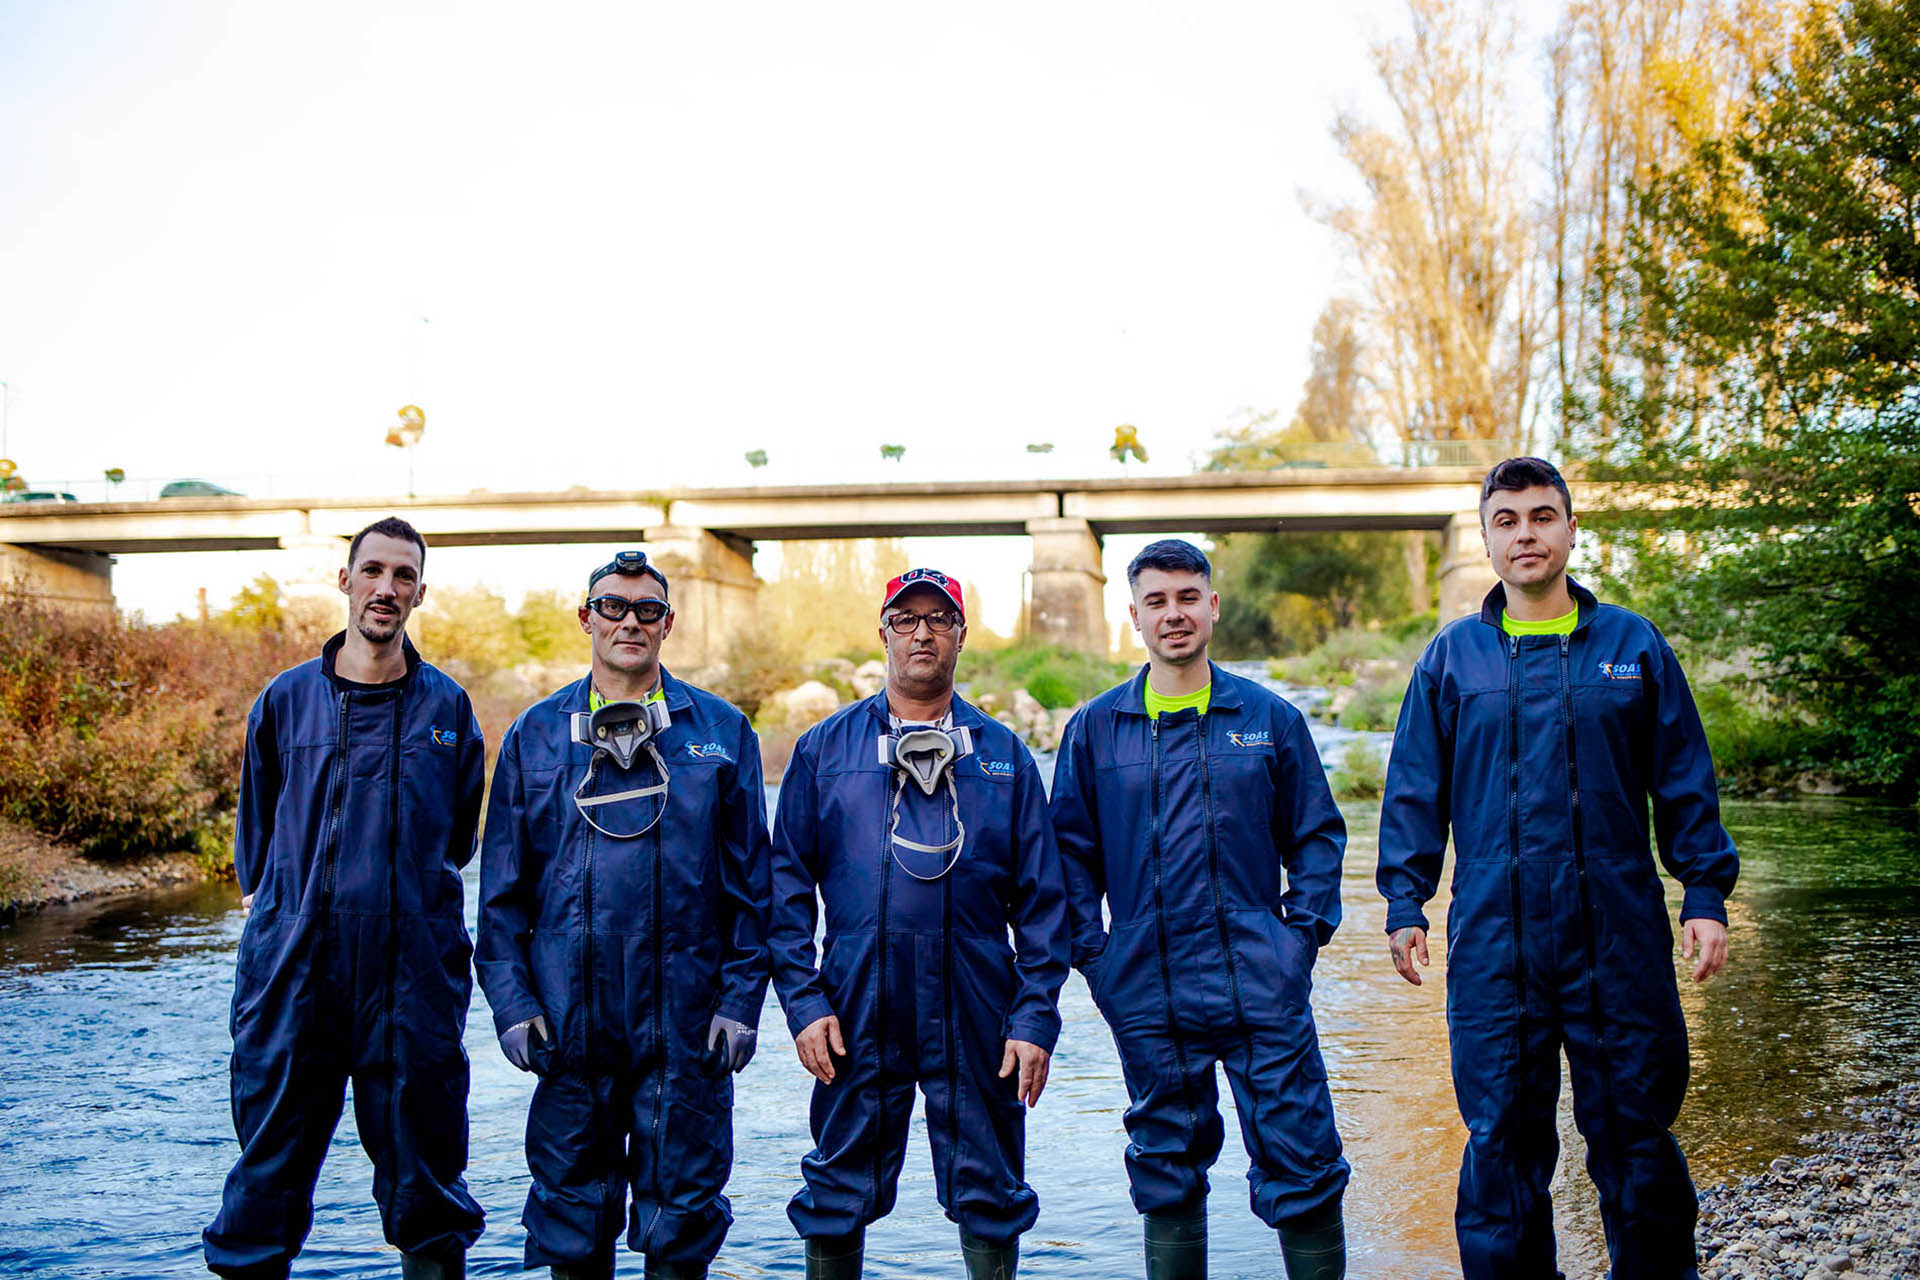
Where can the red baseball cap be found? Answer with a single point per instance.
(946, 586)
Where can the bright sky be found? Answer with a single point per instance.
(620, 245)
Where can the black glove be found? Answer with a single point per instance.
(518, 1043)
(730, 1044)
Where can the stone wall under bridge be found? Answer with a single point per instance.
(65, 579)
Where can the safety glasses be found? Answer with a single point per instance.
(614, 608)
(939, 622)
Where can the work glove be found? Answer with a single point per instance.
(730, 1044)
(522, 1050)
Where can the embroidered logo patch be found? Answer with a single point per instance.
(708, 751)
(444, 737)
(1620, 670)
(995, 768)
(1252, 738)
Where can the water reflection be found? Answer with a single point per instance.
(115, 1132)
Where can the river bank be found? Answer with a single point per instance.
(1852, 1207)
(37, 872)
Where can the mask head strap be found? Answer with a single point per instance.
(926, 755)
(619, 732)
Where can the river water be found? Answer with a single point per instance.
(115, 1132)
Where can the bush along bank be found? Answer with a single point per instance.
(1364, 672)
(123, 740)
(1849, 1208)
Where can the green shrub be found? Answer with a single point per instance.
(119, 737)
(1362, 774)
(13, 883)
(1055, 676)
(1754, 746)
(1051, 690)
(213, 845)
(1375, 706)
(758, 666)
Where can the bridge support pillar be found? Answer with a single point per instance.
(1466, 575)
(1066, 605)
(715, 595)
(66, 579)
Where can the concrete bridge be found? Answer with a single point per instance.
(705, 537)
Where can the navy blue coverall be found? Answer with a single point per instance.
(918, 971)
(358, 805)
(628, 947)
(1184, 824)
(1543, 753)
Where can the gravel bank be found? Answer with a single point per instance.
(1848, 1209)
(43, 873)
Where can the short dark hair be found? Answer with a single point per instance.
(1515, 474)
(1170, 555)
(391, 527)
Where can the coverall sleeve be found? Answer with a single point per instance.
(508, 874)
(259, 795)
(1076, 831)
(1694, 846)
(1414, 813)
(796, 879)
(472, 790)
(745, 885)
(1310, 834)
(1038, 914)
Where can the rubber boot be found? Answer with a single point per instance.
(987, 1260)
(665, 1270)
(836, 1257)
(1176, 1243)
(421, 1266)
(1314, 1245)
(582, 1271)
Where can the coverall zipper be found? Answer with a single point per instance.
(1160, 913)
(337, 786)
(393, 907)
(1213, 875)
(880, 990)
(587, 997)
(946, 1022)
(659, 1026)
(1597, 1014)
(1513, 821)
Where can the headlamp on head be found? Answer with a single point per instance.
(628, 564)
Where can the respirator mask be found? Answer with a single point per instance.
(619, 732)
(925, 755)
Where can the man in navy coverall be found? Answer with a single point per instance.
(1540, 732)
(359, 794)
(1179, 797)
(921, 825)
(623, 942)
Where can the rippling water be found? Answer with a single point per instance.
(115, 1132)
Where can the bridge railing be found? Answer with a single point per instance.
(1327, 455)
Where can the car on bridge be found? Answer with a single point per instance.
(38, 495)
(196, 489)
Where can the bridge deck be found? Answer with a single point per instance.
(1206, 502)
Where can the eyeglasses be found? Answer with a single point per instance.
(614, 608)
(905, 624)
